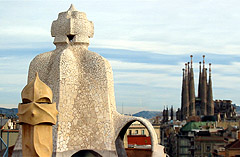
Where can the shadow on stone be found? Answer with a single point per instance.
(86, 153)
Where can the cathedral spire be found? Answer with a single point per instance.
(188, 72)
(210, 104)
(210, 70)
(183, 82)
(204, 89)
(203, 61)
(171, 112)
(186, 95)
(199, 80)
(188, 69)
(163, 114)
(167, 114)
(191, 60)
(191, 92)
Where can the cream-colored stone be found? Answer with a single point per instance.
(83, 88)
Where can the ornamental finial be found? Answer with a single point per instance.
(72, 27)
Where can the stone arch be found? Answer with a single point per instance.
(121, 132)
(86, 153)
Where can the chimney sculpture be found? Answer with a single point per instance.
(83, 89)
(37, 114)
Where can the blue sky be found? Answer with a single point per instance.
(146, 42)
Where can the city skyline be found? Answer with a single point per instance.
(146, 42)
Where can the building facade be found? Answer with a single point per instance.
(137, 128)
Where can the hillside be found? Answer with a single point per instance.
(238, 109)
(144, 114)
(9, 112)
(147, 114)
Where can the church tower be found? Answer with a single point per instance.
(202, 104)
(199, 81)
(185, 111)
(191, 91)
(167, 117)
(171, 113)
(204, 89)
(182, 96)
(210, 104)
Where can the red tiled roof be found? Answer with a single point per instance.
(233, 145)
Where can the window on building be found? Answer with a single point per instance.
(184, 142)
(136, 132)
(143, 132)
(130, 132)
(184, 150)
(198, 147)
(208, 148)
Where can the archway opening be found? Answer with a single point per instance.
(86, 153)
(134, 140)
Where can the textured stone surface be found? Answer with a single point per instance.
(83, 88)
(72, 22)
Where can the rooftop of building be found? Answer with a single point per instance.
(210, 138)
(190, 126)
(234, 145)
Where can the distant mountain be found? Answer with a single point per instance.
(237, 109)
(9, 112)
(147, 114)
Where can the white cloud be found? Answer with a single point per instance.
(230, 69)
(164, 27)
(158, 75)
(227, 82)
(24, 31)
(119, 65)
(161, 47)
(8, 106)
